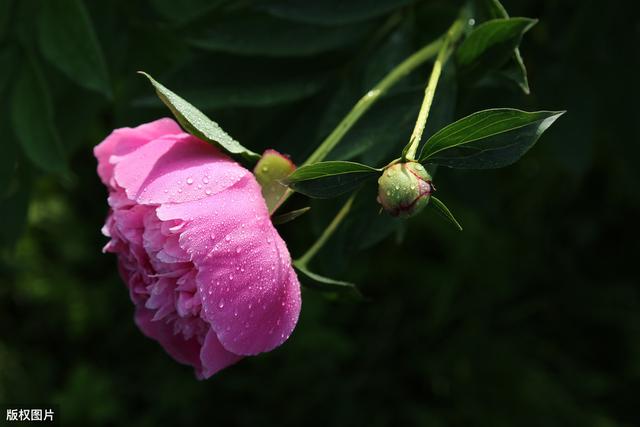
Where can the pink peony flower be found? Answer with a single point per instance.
(209, 275)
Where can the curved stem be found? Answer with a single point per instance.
(408, 65)
(446, 48)
(327, 233)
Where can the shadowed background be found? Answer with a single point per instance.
(529, 317)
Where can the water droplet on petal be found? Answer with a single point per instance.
(207, 192)
(205, 180)
(221, 303)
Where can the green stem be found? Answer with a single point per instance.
(407, 66)
(446, 48)
(327, 233)
(424, 54)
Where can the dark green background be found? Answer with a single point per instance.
(530, 317)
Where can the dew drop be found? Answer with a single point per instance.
(207, 192)
(221, 303)
(205, 180)
(189, 180)
(238, 250)
(227, 238)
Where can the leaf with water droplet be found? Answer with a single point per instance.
(197, 123)
(490, 45)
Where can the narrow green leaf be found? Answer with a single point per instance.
(325, 284)
(332, 12)
(490, 45)
(290, 216)
(198, 124)
(265, 35)
(67, 39)
(32, 120)
(442, 209)
(487, 139)
(330, 179)
(270, 171)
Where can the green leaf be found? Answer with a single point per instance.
(442, 209)
(330, 179)
(290, 216)
(270, 171)
(67, 39)
(490, 45)
(332, 12)
(266, 35)
(325, 284)
(198, 124)
(515, 69)
(487, 139)
(32, 120)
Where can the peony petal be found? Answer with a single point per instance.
(184, 351)
(214, 357)
(250, 293)
(176, 169)
(124, 140)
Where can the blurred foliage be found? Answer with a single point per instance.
(529, 317)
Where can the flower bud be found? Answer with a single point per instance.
(404, 189)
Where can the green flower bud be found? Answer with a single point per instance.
(404, 189)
